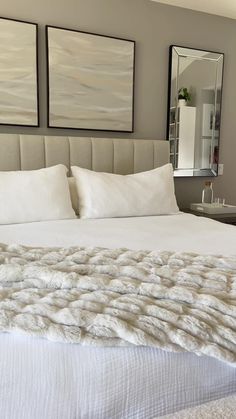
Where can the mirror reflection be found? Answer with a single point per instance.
(194, 107)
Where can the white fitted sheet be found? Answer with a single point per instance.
(41, 379)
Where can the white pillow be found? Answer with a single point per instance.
(73, 194)
(103, 195)
(35, 195)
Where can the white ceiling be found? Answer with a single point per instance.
(225, 8)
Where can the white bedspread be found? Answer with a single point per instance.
(41, 379)
(181, 232)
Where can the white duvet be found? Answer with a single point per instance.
(41, 379)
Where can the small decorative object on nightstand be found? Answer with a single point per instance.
(207, 193)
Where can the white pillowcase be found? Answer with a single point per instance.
(103, 195)
(73, 194)
(35, 195)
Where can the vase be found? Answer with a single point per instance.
(182, 102)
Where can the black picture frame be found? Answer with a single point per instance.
(80, 105)
(37, 111)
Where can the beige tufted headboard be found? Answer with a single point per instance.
(122, 156)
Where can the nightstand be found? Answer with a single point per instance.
(222, 218)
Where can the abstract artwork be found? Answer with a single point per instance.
(90, 80)
(18, 73)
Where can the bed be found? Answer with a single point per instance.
(42, 379)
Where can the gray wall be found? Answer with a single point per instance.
(154, 27)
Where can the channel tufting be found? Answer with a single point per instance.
(113, 155)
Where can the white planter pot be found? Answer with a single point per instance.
(182, 102)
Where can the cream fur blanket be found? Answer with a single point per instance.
(218, 409)
(119, 297)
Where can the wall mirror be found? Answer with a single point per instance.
(194, 108)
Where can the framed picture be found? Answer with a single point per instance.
(207, 119)
(18, 73)
(90, 80)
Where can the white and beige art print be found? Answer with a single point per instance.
(18, 73)
(90, 81)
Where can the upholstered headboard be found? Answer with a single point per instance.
(122, 156)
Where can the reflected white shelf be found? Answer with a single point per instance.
(187, 125)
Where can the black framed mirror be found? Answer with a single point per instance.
(194, 110)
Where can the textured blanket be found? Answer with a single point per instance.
(218, 409)
(119, 297)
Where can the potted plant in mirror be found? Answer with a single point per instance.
(183, 96)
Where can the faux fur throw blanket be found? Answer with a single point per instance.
(218, 409)
(119, 297)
